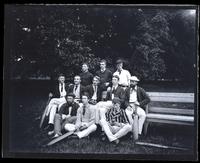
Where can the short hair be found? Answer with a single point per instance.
(71, 94)
(119, 61)
(85, 63)
(86, 94)
(116, 100)
(61, 74)
(116, 76)
(77, 76)
(103, 60)
(97, 77)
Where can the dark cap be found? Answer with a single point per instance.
(119, 61)
(116, 100)
(71, 94)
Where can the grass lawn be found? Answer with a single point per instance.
(25, 135)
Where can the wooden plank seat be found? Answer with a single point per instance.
(170, 115)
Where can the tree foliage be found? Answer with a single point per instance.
(46, 40)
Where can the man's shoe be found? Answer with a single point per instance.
(56, 135)
(51, 133)
(103, 138)
(116, 141)
(49, 127)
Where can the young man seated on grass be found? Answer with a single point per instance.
(115, 124)
(66, 116)
(85, 122)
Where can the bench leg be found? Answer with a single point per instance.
(145, 127)
(135, 128)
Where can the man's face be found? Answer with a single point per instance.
(95, 81)
(119, 66)
(114, 81)
(77, 80)
(102, 65)
(61, 79)
(85, 100)
(116, 106)
(133, 83)
(84, 67)
(70, 99)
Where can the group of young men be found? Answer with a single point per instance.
(104, 99)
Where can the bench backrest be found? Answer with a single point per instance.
(171, 97)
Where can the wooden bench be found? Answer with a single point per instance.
(169, 115)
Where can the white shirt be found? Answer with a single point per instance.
(94, 97)
(62, 92)
(77, 91)
(124, 77)
(133, 95)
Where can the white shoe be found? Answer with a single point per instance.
(50, 133)
(56, 135)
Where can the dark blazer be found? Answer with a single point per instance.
(64, 109)
(86, 78)
(142, 96)
(71, 88)
(55, 89)
(90, 90)
(119, 92)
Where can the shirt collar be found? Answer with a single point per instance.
(115, 87)
(134, 88)
(86, 105)
(103, 70)
(121, 70)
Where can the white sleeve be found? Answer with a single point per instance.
(128, 77)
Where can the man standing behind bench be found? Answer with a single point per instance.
(136, 100)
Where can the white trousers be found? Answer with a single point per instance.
(83, 133)
(52, 108)
(101, 108)
(114, 132)
(141, 117)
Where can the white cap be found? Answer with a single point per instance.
(134, 78)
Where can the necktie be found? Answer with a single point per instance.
(61, 87)
(113, 90)
(95, 89)
(76, 86)
(84, 109)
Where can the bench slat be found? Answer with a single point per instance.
(169, 121)
(172, 97)
(171, 110)
(171, 117)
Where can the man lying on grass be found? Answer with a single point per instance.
(66, 116)
(85, 122)
(115, 124)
